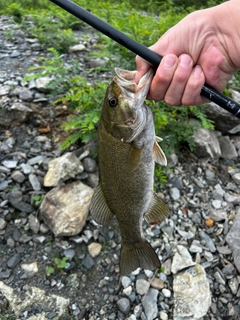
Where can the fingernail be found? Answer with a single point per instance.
(169, 61)
(197, 71)
(185, 60)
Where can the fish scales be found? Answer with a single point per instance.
(127, 150)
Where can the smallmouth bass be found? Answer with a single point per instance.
(127, 152)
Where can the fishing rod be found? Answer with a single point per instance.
(139, 49)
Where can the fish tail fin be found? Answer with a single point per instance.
(138, 255)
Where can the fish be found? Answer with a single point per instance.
(127, 151)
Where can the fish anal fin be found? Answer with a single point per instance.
(158, 154)
(139, 255)
(99, 209)
(158, 210)
(133, 159)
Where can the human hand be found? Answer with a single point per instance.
(200, 48)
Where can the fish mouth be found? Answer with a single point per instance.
(126, 81)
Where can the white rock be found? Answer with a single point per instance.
(167, 293)
(34, 298)
(30, 269)
(191, 293)
(94, 249)
(127, 291)
(65, 208)
(181, 260)
(236, 178)
(3, 223)
(77, 48)
(62, 169)
(142, 286)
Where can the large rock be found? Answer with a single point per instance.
(206, 143)
(62, 169)
(224, 121)
(65, 208)
(233, 239)
(191, 294)
(228, 150)
(34, 298)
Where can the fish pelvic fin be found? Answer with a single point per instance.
(158, 154)
(139, 255)
(157, 211)
(99, 209)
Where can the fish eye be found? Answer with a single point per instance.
(112, 102)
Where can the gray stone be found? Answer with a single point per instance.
(236, 178)
(10, 164)
(224, 250)
(15, 54)
(34, 182)
(191, 293)
(42, 83)
(3, 224)
(65, 208)
(4, 90)
(124, 305)
(218, 215)
(149, 303)
(89, 164)
(26, 168)
(228, 150)
(17, 176)
(62, 169)
(181, 259)
(174, 193)
(206, 142)
(69, 253)
(34, 223)
(3, 185)
(224, 121)
(208, 240)
(88, 262)
(126, 281)
(36, 160)
(14, 261)
(21, 107)
(26, 95)
(233, 239)
(232, 198)
(142, 286)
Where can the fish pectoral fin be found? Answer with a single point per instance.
(157, 211)
(133, 158)
(99, 209)
(138, 255)
(158, 154)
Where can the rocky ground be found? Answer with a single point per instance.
(49, 274)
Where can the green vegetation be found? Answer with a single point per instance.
(58, 265)
(144, 21)
(37, 199)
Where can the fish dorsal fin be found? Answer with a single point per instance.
(133, 159)
(158, 154)
(157, 211)
(99, 209)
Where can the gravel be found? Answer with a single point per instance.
(202, 194)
